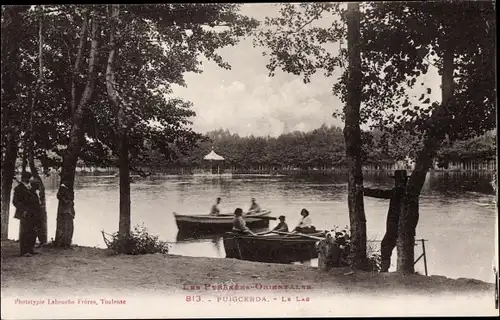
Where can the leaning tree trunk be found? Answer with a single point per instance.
(10, 66)
(71, 155)
(352, 135)
(121, 129)
(433, 139)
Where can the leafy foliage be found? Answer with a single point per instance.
(478, 148)
(343, 240)
(400, 42)
(139, 241)
(321, 148)
(157, 44)
(297, 45)
(419, 34)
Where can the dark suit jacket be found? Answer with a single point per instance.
(396, 195)
(26, 201)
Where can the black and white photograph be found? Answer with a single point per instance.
(247, 160)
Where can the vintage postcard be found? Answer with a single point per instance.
(316, 159)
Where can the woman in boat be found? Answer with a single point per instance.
(239, 224)
(282, 226)
(214, 211)
(305, 224)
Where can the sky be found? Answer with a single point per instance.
(245, 100)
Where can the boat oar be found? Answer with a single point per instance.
(265, 218)
(263, 233)
(298, 234)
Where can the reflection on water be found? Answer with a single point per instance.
(457, 215)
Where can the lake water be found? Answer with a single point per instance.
(457, 214)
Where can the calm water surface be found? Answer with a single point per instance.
(457, 214)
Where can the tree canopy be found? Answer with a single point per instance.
(400, 42)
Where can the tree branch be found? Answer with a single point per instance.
(76, 67)
(110, 77)
(30, 144)
(430, 63)
(91, 78)
(317, 16)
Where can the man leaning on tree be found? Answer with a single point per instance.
(396, 195)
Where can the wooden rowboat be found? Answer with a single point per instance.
(222, 222)
(279, 248)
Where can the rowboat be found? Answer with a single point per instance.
(193, 236)
(279, 248)
(220, 223)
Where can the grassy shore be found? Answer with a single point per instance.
(84, 271)
(65, 269)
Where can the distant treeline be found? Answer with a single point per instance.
(322, 148)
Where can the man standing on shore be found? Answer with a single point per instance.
(396, 195)
(28, 210)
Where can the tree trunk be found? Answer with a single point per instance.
(410, 211)
(352, 135)
(124, 223)
(121, 128)
(10, 66)
(24, 159)
(71, 155)
(8, 174)
(41, 227)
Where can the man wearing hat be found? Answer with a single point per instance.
(28, 212)
(396, 195)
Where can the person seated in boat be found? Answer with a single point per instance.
(239, 224)
(305, 224)
(215, 208)
(282, 226)
(254, 207)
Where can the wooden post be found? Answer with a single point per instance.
(425, 257)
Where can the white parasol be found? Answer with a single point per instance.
(212, 156)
